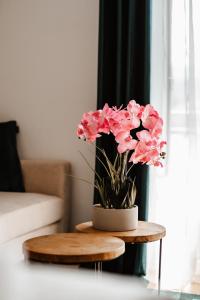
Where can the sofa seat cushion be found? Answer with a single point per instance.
(21, 213)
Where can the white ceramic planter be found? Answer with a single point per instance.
(115, 219)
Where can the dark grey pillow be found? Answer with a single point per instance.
(11, 178)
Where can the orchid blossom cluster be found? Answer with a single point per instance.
(136, 128)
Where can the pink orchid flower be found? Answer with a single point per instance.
(151, 120)
(133, 107)
(128, 144)
(147, 148)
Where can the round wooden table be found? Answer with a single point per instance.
(146, 232)
(73, 248)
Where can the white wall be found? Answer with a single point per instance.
(48, 78)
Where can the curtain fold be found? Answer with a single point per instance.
(174, 200)
(124, 74)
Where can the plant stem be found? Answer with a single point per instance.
(124, 164)
(129, 169)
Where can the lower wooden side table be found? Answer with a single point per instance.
(73, 248)
(146, 232)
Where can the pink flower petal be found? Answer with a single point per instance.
(121, 136)
(121, 148)
(144, 136)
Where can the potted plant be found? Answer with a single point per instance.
(137, 131)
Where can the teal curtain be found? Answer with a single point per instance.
(124, 74)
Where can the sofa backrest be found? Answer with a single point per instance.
(48, 177)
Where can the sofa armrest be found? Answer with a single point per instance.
(48, 177)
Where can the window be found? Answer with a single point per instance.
(174, 191)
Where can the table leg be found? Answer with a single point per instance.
(159, 270)
(98, 267)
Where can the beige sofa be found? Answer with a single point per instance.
(42, 209)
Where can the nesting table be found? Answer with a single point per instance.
(146, 232)
(73, 248)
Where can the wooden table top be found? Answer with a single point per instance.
(73, 248)
(145, 232)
